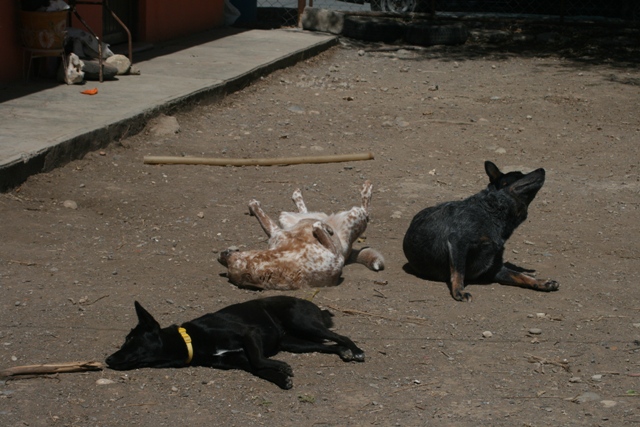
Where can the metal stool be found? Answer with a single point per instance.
(41, 53)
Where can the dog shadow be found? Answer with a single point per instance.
(251, 288)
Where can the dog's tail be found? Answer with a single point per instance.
(327, 318)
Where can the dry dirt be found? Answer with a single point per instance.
(431, 117)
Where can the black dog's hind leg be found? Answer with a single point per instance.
(275, 371)
(313, 342)
(509, 277)
(347, 353)
(457, 265)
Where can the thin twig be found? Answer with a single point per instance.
(380, 294)
(358, 312)
(536, 359)
(537, 397)
(138, 404)
(90, 303)
(409, 387)
(27, 263)
(446, 355)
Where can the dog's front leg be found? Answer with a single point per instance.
(275, 371)
(457, 265)
(366, 193)
(297, 199)
(509, 277)
(267, 224)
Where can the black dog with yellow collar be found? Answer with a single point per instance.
(240, 336)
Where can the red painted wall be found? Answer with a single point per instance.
(92, 15)
(166, 19)
(10, 45)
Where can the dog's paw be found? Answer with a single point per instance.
(253, 206)
(284, 368)
(346, 355)
(282, 380)
(288, 384)
(462, 296)
(349, 356)
(548, 285)
(359, 356)
(368, 257)
(377, 265)
(372, 259)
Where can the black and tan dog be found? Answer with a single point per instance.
(462, 242)
(240, 336)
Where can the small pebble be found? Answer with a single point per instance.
(104, 381)
(487, 334)
(597, 377)
(535, 331)
(587, 397)
(70, 204)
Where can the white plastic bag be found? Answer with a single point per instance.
(57, 5)
(71, 73)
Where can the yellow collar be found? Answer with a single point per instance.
(187, 340)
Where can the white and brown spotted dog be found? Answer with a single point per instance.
(306, 249)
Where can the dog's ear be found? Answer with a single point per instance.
(492, 171)
(145, 318)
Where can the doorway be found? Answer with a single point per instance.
(113, 33)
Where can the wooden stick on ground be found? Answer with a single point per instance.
(212, 161)
(53, 368)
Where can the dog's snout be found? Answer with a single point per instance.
(110, 361)
(225, 255)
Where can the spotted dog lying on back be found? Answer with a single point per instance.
(306, 249)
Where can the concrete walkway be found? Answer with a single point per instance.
(45, 125)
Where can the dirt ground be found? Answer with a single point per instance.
(81, 243)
